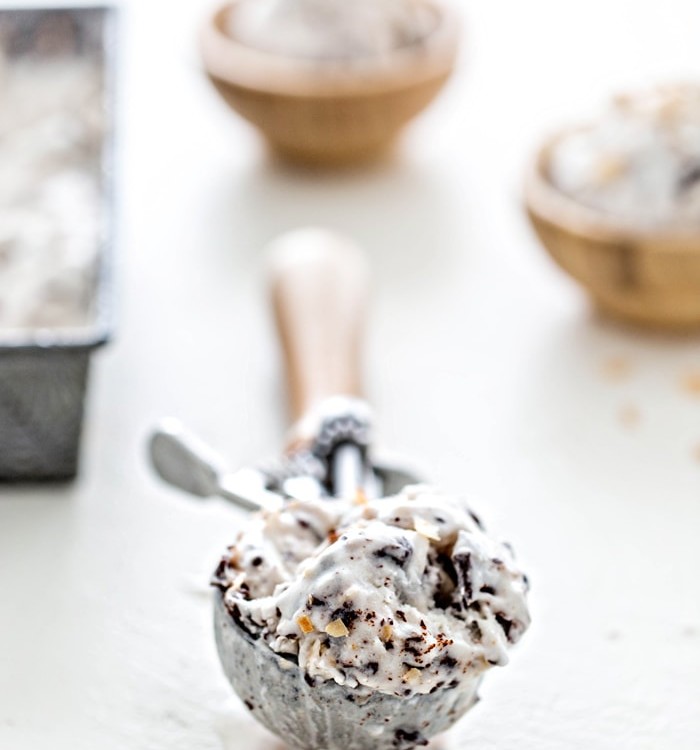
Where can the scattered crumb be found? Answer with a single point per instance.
(385, 633)
(337, 629)
(427, 529)
(616, 368)
(629, 415)
(305, 624)
(691, 383)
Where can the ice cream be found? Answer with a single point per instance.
(331, 29)
(51, 123)
(402, 596)
(640, 161)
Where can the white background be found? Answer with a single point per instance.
(484, 363)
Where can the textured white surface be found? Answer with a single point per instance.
(484, 362)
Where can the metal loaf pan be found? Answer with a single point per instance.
(43, 378)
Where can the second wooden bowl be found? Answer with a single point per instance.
(328, 112)
(646, 276)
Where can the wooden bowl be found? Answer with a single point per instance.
(647, 276)
(329, 112)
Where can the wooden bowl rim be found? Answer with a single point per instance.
(547, 202)
(240, 65)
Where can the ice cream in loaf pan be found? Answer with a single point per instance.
(403, 596)
(51, 135)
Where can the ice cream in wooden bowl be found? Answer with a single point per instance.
(616, 202)
(330, 81)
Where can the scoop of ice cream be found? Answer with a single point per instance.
(331, 29)
(640, 161)
(404, 595)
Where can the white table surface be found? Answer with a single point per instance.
(484, 362)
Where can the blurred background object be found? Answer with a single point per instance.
(584, 435)
(617, 204)
(330, 82)
(56, 103)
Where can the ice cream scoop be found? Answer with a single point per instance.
(354, 619)
(377, 618)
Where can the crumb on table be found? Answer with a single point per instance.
(629, 415)
(617, 368)
(690, 383)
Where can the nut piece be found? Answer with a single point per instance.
(412, 675)
(305, 624)
(427, 529)
(337, 629)
(610, 167)
(360, 497)
(385, 633)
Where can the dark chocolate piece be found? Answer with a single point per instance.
(405, 739)
(689, 178)
(346, 614)
(218, 580)
(505, 623)
(463, 564)
(398, 552)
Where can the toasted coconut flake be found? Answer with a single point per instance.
(305, 624)
(360, 497)
(337, 629)
(427, 529)
(609, 168)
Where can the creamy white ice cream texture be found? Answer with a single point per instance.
(403, 595)
(639, 161)
(51, 123)
(331, 29)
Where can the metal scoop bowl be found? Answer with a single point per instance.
(322, 715)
